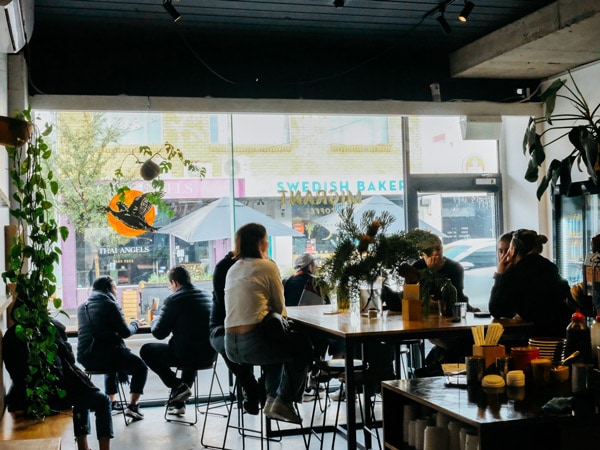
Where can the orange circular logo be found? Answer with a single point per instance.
(131, 214)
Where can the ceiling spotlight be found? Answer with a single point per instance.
(464, 14)
(339, 3)
(443, 23)
(171, 10)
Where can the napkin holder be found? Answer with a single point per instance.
(411, 303)
(489, 352)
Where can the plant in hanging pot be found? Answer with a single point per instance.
(580, 126)
(150, 170)
(34, 254)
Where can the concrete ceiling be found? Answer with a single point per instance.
(558, 37)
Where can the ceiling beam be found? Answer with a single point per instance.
(552, 40)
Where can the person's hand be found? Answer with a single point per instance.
(434, 262)
(507, 261)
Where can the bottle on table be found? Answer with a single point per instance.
(579, 339)
(595, 333)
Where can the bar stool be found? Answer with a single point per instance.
(327, 371)
(214, 402)
(120, 390)
(178, 371)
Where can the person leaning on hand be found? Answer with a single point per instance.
(531, 286)
(100, 345)
(184, 315)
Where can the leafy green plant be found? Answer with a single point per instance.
(364, 252)
(580, 126)
(33, 256)
(152, 171)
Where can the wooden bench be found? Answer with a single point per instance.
(19, 432)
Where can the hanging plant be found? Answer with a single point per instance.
(152, 171)
(33, 255)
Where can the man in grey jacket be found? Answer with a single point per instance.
(184, 314)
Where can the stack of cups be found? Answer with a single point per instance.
(420, 433)
(436, 438)
(409, 414)
(454, 435)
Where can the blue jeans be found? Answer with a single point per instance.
(96, 401)
(284, 368)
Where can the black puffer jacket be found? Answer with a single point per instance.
(185, 314)
(101, 324)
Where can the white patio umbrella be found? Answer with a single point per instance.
(213, 222)
(378, 204)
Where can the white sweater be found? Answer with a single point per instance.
(253, 288)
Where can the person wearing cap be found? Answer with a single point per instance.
(293, 286)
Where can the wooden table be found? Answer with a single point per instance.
(390, 328)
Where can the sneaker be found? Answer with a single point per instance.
(338, 396)
(180, 393)
(176, 409)
(117, 406)
(281, 410)
(134, 412)
(268, 405)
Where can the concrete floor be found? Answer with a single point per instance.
(155, 433)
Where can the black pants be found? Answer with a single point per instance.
(160, 359)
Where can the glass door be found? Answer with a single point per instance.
(467, 224)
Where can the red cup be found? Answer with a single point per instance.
(522, 356)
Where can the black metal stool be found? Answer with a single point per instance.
(120, 390)
(327, 371)
(195, 395)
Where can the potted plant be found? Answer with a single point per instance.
(581, 127)
(33, 255)
(365, 253)
(150, 170)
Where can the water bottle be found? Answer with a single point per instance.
(579, 339)
(595, 332)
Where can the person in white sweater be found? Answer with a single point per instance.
(256, 328)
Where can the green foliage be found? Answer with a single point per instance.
(581, 127)
(167, 153)
(364, 252)
(33, 255)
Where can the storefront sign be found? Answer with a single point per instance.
(319, 198)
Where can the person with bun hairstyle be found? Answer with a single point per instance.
(530, 285)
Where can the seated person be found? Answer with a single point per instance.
(82, 395)
(295, 285)
(100, 344)
(531, 286)
(184, 316)
(253, 292)
(244, 373)
(445, 349)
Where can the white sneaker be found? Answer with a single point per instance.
(338, 396)
(176, 410)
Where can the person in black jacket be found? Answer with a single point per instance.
(243, 372)
(184, 315)
(531, 286)
(100, 345)
(81, 393)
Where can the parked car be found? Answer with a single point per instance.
(478, 258)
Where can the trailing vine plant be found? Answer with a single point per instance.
(33, 256)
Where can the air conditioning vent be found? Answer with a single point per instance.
(16, 24)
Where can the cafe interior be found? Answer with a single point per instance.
(483, 62)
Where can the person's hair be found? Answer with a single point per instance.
(181, 275)
(506, 237)
(247, 241)
(528, 241)
(103, 284)
(430, 242)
